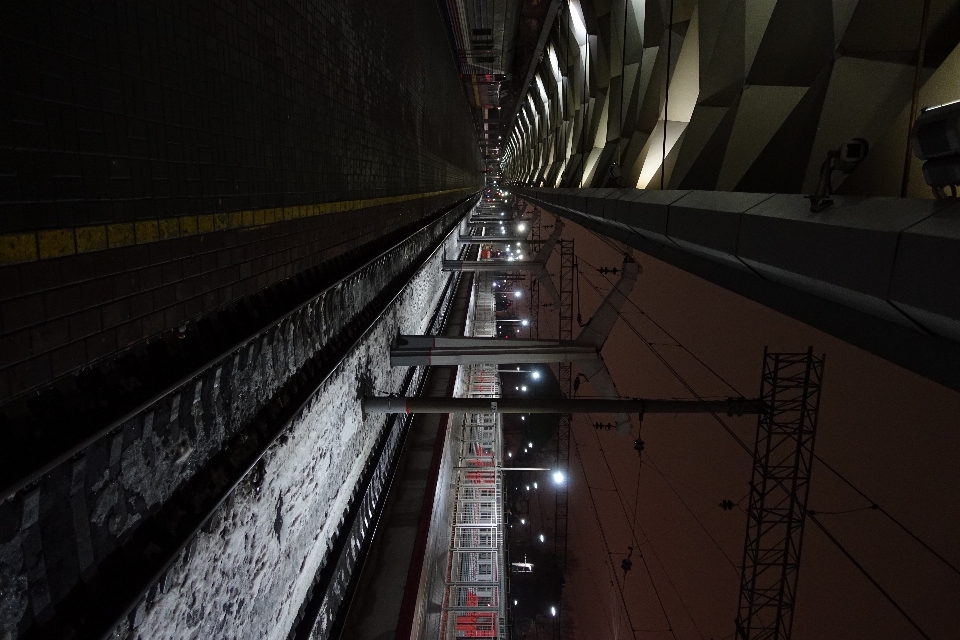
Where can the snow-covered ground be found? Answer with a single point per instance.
(246, 577)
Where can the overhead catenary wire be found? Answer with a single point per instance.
(690, 511)
(744, 446)
(677, 375)
(748, 450)
(865, 574)
(636, 540)
(603, 535)
(596, 586)
(873, 503)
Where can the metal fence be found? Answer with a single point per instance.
(474, 604)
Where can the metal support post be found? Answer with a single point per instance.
(493, 266)
(413, 351)
(566, 387)
(400, 404)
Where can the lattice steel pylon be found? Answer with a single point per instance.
(534, 281)
(563, 431)
(783, 456)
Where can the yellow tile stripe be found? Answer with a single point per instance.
(29, 246)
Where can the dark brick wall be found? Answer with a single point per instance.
(121, 111)
(117, 114)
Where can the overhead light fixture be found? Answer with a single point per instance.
(936, 139)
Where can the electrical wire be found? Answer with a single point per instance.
(603, 535)
(677, 375)
(878, 507)
(807, 513)
(596, 586)
(863, 571)
(636, 541)
(829, 467)
(690, 511)
(675, 340)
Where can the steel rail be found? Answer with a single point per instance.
(125, 579)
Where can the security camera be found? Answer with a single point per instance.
(936, 139)
(853, 151)
(845, 159)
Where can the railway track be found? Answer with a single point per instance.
(214, 401)
(321, 614)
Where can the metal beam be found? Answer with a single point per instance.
(464, 239)
(414, 351)
(730, 406)
(488, 266)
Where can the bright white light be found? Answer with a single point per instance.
(509, 454)
(518, 244)
(529, 444)
(535, 486)
(524, 323)
(518, 368)
(558, 477)
(522, 521)
(523, 388)
(553, 611)
(516, 294)
(514, 602)
(522, 228)
(541, 540)
(520, 256)
(536, 375)
(523, 417)
(517, 388)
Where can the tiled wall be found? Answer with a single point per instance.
(158, 159)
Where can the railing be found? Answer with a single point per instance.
(474, 604)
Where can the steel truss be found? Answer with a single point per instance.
(563, 431)
(534, 281)
(783, 455)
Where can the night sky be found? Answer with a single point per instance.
(892, 433)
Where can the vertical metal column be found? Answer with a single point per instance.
(563, 431)
(783, 455)
(534, 281)
(534, 307)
